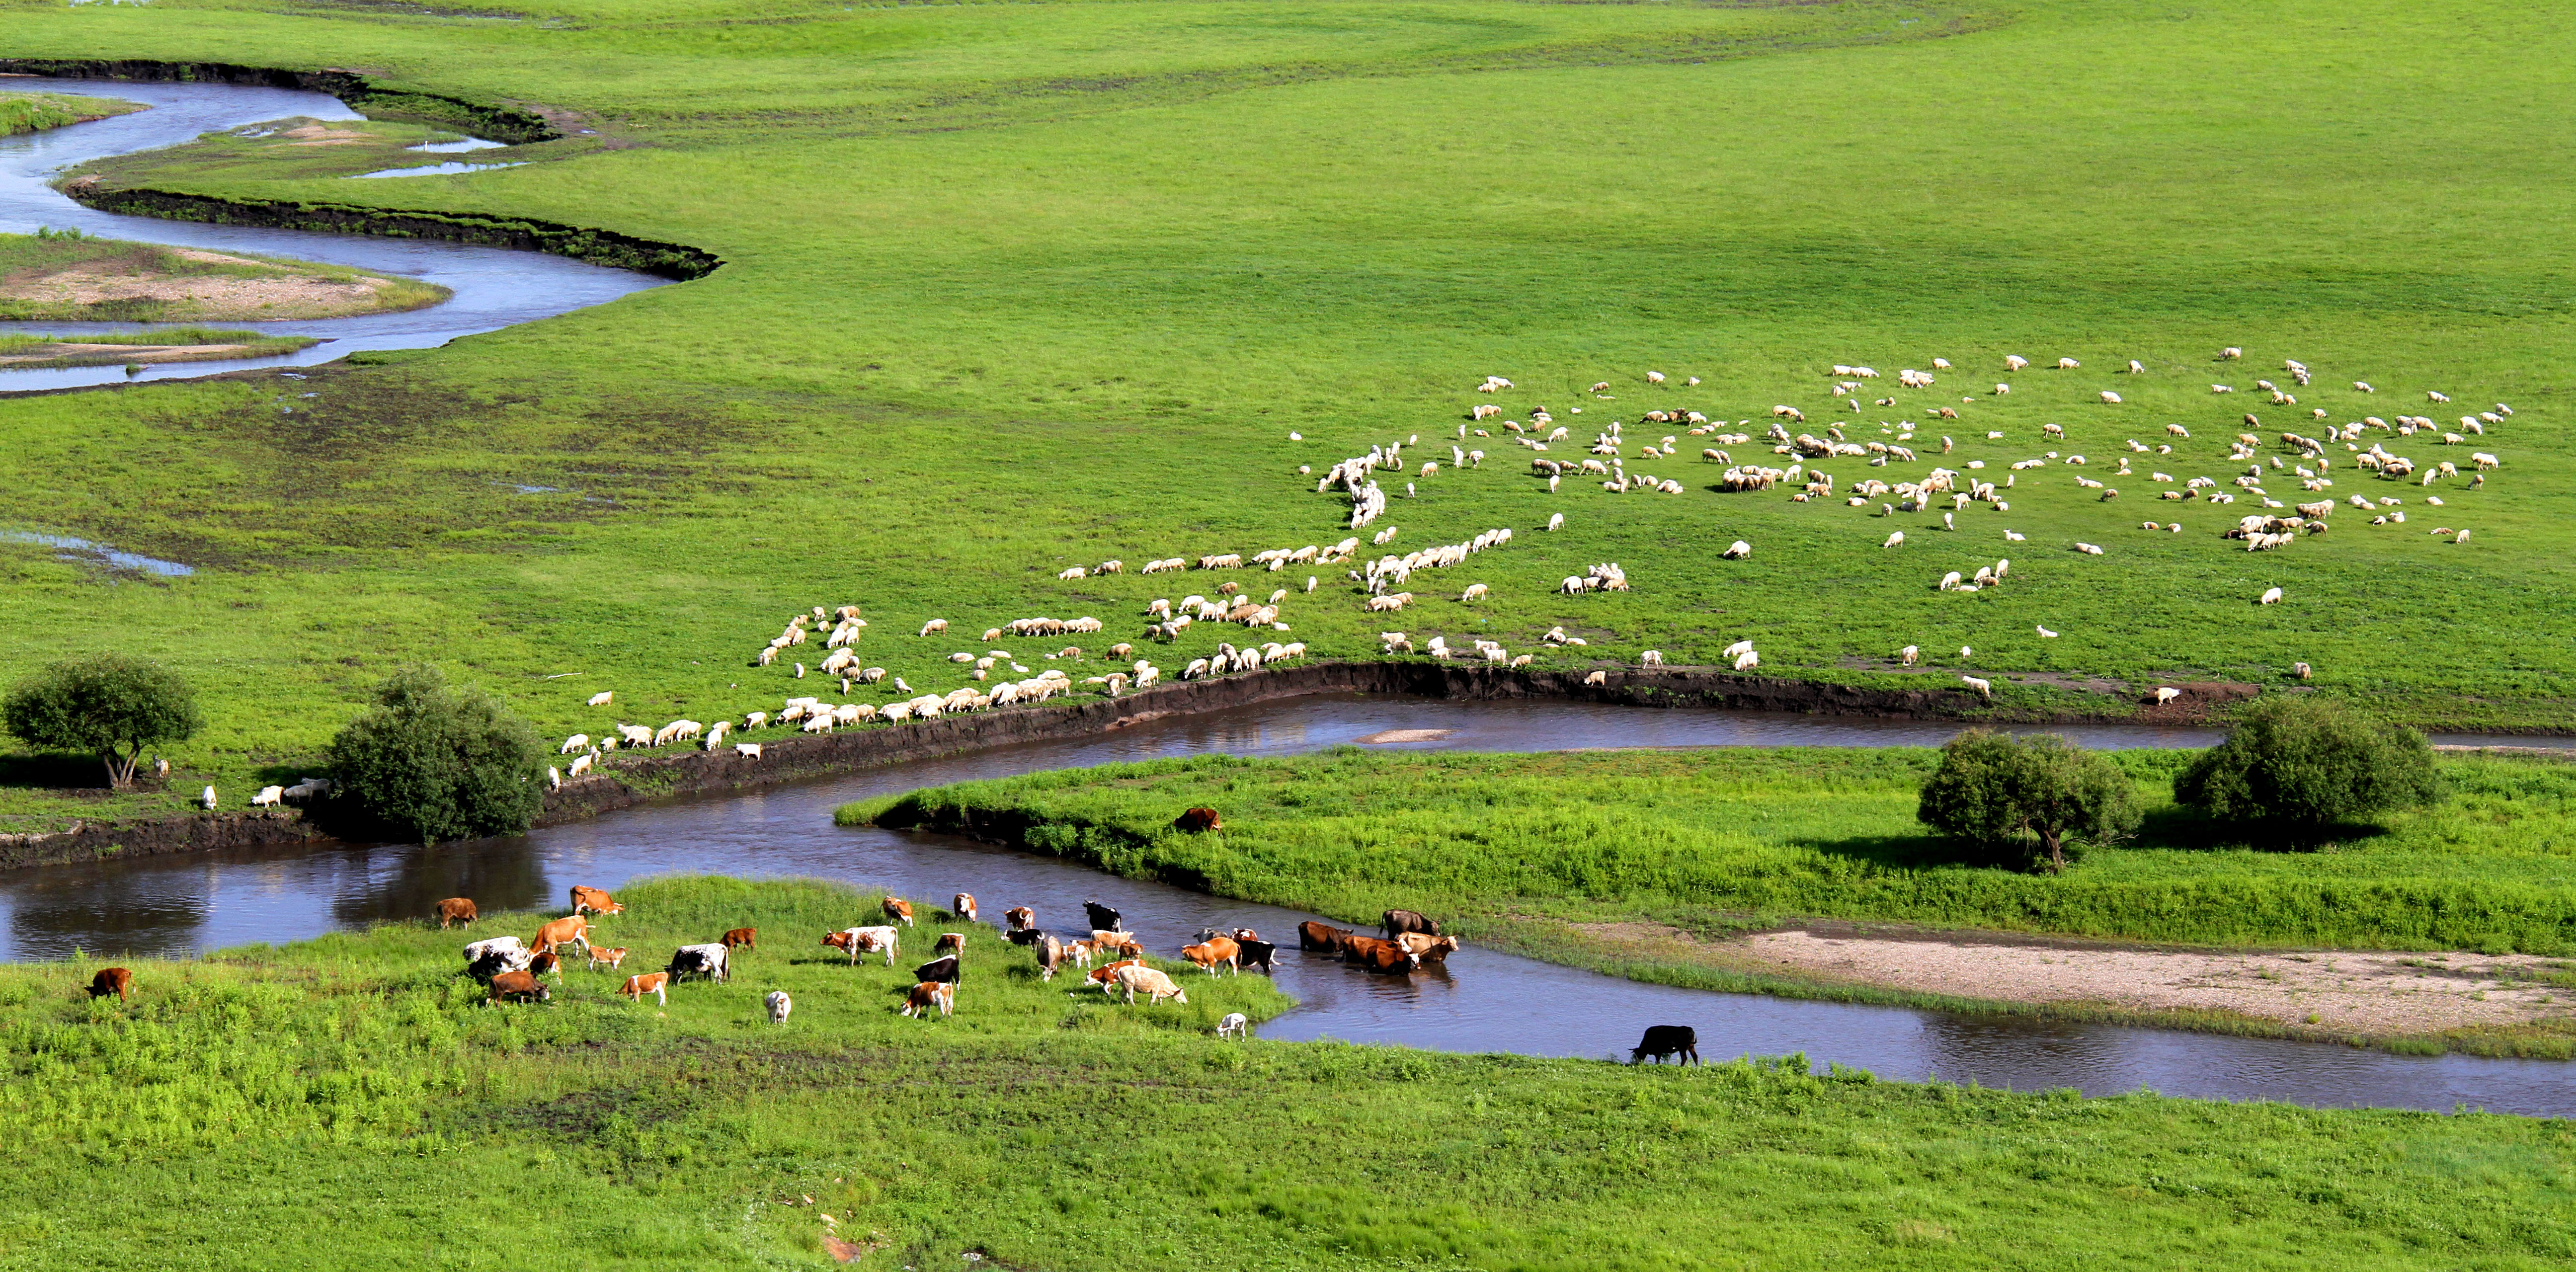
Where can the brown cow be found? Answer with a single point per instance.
(456, 910)
(572, 929)
(741, 938)
(654, 983)
(1198, 820)
(1398, 922)
(1051, 953)
(592, 899)
(898, 911)
(612, 957)
(964, 906)
(519, 986)
(1106, 975)
(544, 963)
(1377, 955)
(1213, 951)
(948, 942)
(1428, 949)
(929, 994)
(1312, 935)
(1020, 917)
(111, 980)
(1106, 941)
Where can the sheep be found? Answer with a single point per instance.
(268, 797)
(1747, 661)
(1909, 654)
(1737, 551)
(934, 627)
(1475, 591)
(581, 763)
(2088, 549)
(1600, 678)
(2301, 670)
(1556, 521)
(2002, 390)
(747, 750)
(2109, 398)
(2015, 362)
(1894, 539)
(574, 743)
(2166, 693)
(2436, 397)
(1651, 658)
(1984, 688)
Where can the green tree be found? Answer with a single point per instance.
(2003, 792)
(439, 763)
(109, 705)
(2305, 763)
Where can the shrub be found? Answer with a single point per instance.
(108, 705)
(2304, 763)
(2003, 792)
(437, 763)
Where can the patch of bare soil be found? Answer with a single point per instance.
(324, 135)
(2365, 992)
(216, 298)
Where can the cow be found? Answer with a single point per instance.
(519, 987)
(1215, 950)
(1121, 942)
(1234, 1024)
(929, 994)
(1020, 918)
(612, 957)
(1377, 955)
(1256, 954)
(779, 1005)
(1398, 922)
(1156, 985)
(594, 901)
(1667, 1040)
(964, 906)
(486, 959)
(1106, 975)
(1023, 936)
(864, 940)
(1428, 949)
(544, 963)
(1312, 935)
(111, 980)
(898, 911)
(949, 942)
(572, 929)
(1102, 917)
(943, 970)
(1197, 821)
(1051, 953)
(654, 983)
(707, 960)
(456, 910)
(742, 938)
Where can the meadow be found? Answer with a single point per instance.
(349, 1100)
(1014, 288)
(25, 112)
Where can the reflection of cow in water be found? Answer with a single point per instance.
(1667, 1040)
(1198, 819)
(1102, 917)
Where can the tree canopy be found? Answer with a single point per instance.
(2304, 763)
(2004, 792)
(440, 763)
(109, 705)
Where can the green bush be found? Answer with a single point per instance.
(2306, 763)
(108, 705)
(2002, 792)
(438, 763)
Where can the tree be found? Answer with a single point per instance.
(2002, 792)
(109, 705)
(2304, 763)
(438, 763)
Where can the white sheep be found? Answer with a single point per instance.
(2271, 596)
(1651, 658)
(2166, 693)
(268, 797)
(1983, 687)
(576, 742)
(601, 698)
(1737, 551)
(934, 626)
(1894, 539)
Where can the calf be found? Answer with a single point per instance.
(1120, 942)
(949, 942)
(1198, 820)
(1156, 985)
(1256, 954)
(943, 970)
(898, 911)
(964, 906)
(1213, 951)
(1667, 1040)
(779, 1005)
(573, 930)
(1102, 917)
(1106, 975)
(1235, 1024)
(1428, 949)
(544, 963)
(1377, 955)
(111, 980)
(1020, 918)
(594, 901)
(864, 940)
(456, 910)
(611, 957)
(741, 938)
(1398, 922)
(929, 994)
(708, 960)
(519, 987)
(1312, 935)
(654, 983)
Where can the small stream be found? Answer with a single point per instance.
(1481, 1001)
(494, 287)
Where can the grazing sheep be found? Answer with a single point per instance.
(1984, 688)
(2166, 693)
(2046, 634)
(2015, 362)
(1651, 658)
(1909, 654)
(1894, 539)
(2271, 596)
(1737, 551)
(934, 626)
(2301, 670)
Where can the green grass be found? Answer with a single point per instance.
(174, 346)
(349, 1101)
(1010, 288)
(35, 270)
(23, 112)
(1741, 835)
(300, 148)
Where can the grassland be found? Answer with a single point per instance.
(1012, 288)
(55, 277)
(1537, 851)
(350, 1101)
(25, 112)
(298, 148)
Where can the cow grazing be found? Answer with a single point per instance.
(1102, 917)
(741, 938)
(943, 970)
(1156, 985)
(1667, 1040)
(1377, 955)
(1051, 953)
(864, 940)
(1119, 942)
(655, 983)
(610, 957)
(570, 930)
(487, 959)
(964, 906)
(456, 910)
(708, 960)
(779, 1005)
(1020, 918)
(1234, 1025)
(544, 963)
(519, 987)
(930, 994)
(1398, 922)
(594, 901)
(1197, 820)
(1427, 949)
(1256, 954)
(949, 943)
(1312, 935)
(1106, 975)
(111, 980)
(898, 911)
(1215, 951)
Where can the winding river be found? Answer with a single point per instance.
(494, 287)
(1482, 1001)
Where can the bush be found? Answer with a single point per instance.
(2004, 793)
(436, 763)
(2304, 763)
(108, 705)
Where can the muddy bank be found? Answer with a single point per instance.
(500, 123)
(158, 836)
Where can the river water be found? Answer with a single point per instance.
(494, 287)
(1481, 1001)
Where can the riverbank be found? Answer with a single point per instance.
(51, 277)
(23, 111)
(144, 348)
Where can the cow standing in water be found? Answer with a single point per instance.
(1667, 1040)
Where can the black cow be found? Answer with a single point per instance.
(1256, 954)
(1667, 1040)
(1024, 936)
(1398, 922)
(1102, 917)
(937, 969)
(694, 961)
